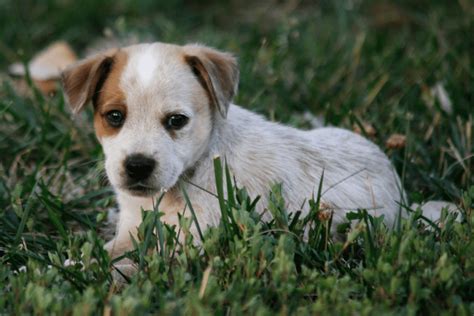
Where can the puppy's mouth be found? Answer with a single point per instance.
(141, 189)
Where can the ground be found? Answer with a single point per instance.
(399, 72)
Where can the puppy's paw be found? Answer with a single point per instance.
(122, 272)
(432, 209)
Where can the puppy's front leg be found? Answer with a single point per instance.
(123, 269)
(130, 218)
(117, 247)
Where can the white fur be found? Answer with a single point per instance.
(143, 131)
(156, 82)
(145, 66)
(357, 174)
(261, 153)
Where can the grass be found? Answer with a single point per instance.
(352, 62)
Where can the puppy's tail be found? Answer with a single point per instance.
(432, 209)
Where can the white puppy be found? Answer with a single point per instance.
(162, 112)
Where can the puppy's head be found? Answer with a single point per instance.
(154, 108)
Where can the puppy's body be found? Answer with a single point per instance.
(357, 175)
(163, 112)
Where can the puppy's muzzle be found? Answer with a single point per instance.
(139, 167)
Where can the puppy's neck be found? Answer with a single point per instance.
(227, 135)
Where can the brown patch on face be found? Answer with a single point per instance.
(109, 96)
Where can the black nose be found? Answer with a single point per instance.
(139, 167)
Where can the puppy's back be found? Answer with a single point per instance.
(357, 174)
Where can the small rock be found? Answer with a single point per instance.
(396, 141)
(368, 128)
(46, 66)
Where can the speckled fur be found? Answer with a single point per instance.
(259, 153)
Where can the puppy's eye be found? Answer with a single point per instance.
(115, 118)
(176, 121)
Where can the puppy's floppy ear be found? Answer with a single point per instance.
(83, 80)
(217, 72)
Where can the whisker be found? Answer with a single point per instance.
(199, 187)
(342, 180)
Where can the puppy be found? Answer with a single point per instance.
(162, 113)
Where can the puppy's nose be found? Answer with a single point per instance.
(139, 167)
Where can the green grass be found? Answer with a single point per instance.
(353, 62)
